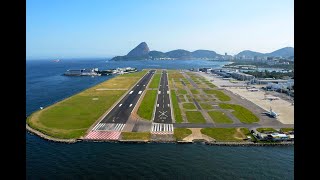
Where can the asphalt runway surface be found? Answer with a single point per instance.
(163, 107)
(121, 112)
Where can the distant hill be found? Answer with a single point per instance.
(248, 53)
(142, 52)
(157, 54)
(283, 52)
(179, 53)
(138, 53)
(205, 54)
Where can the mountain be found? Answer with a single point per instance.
(141, 50)
(157, 54)
(138, 53)
(248, 53)
(284, 52)
(205, 54)
(179, 53)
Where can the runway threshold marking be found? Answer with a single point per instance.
(140, 92)
(161, 128)
(130, 92)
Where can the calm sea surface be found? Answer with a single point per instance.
(49, 160)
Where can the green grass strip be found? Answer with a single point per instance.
(242, 113)
(219, 94)
(155, 81)
(135, 135)
(221, 134)
(182, 91)
(188, 106)
(206, 106)
(176, 109)
(219, 117)
(181, 133)
(195, 117)
(194, 91)
(146, 107)
(262, 130)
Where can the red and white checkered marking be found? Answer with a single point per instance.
(160, 128)
(103, 135)
(105, 131)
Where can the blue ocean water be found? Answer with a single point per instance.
(84, 160)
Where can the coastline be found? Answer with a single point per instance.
(49, 138)
(70, 141)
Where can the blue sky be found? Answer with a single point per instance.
(105, 28)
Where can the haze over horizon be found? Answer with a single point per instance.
(65, 29)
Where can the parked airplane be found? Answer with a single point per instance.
(272, 113)
(271, 98)
(252, 89)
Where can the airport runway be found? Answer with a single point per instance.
(121, 112)
(163, 109)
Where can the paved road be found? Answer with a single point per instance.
(163, 109)
(121, 112)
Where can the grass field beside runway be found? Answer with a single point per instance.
(219, 94)
(188, 106)
(242, 113)
(286, 129)
(176, 109)
(219, 117)
(262, 130)
(182, 99)
(194, 91)
(146, 107)
(155, 81)
(72, 117)
(125, 81)
(181, 133)
(135, 135)
(195, 117)
(182, 91)
(223, 134)
(206, 106)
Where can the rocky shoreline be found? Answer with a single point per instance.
(49, 138)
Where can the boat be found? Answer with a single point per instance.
(56, 60)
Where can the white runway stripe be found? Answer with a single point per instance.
(159, 128)
(108, 127)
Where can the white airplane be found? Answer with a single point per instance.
(270, 98)
(252, 89)
(272, 113)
